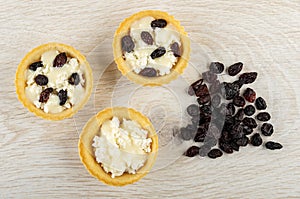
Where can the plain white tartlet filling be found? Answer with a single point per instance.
(57, 79)
(140, 57)
(121, 147)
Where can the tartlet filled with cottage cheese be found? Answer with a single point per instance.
(54, 81)
(151, 48)
(118, 146)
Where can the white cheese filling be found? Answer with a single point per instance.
(121, 147)
(57, 79)
(140, 57)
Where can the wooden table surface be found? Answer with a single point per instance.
(39, 159)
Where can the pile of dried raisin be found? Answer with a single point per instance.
(224, 118)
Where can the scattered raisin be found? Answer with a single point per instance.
(63, 96)
(239, 101)
(216, 67)
(215, 153)
(239, 115)
(60, 60)
(273, 145)
(209, 76)
(175, 49)
(256, 140)
(194, 86)
(204, 99)
(243, 141)
(202, 90)
(127, 43)
(148, 72)
(249, 95)
(74, 79)
(230, 109)
(200, 135)
(158, 23)
(41, 80)
(193, 110)
(249, 110)
(230, 90)
(250, 122)
(263, 116)
(248, 78)
(267, 129)
(35, 65)
(147, 37)
(45, 94)
(192, 151)
(205, 109)
(160, 51)
(234, 69)
(247, 130)
(260, 104)
(225, 147)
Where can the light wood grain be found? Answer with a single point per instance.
(39, 159)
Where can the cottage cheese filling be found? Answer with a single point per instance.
(58, 78)
(140, 57)
(121, 146)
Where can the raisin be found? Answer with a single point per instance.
(239, 115)
(216, 67)
(204, 99)
(267, 129)
(249, 95)
(230, 109)
(204, 149)
(273, 145)
(205, 109)
(243, 141)
(239, 101)
(230, 90)
(175, 49)
(45, 94)
(263, 116)
(41, 80)
(247, 130)
(209, 76)
(60, 60)
(216, 100)
(234, 69)
(234, 146)
(225, 147)
(63, 96)
(192, 151)
(148, 72)
(193, 110)
(194, 86)
(260, 104)
(237, 131)
(35, 65)
(248, 78)
(127, 43)
(238, 83)
(249, 110)
(147, 37)
(160, 51)
(215, 153)
(256, 140)
(250, 122)
(225, 136)
(74, 79)
(202, 90)
(200, 135)
(158, 23)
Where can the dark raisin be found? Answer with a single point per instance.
(248, 78)
(247, 130)
(263, 116)
(148, 72)
(243, 141)
(204, 149)
(230, 109)
(205, 109)
(35, 65)
(209, 76)
(127, 43)
(216, 100)
(202, 90)
(225, 136)
(256, 140)
(250, 122)
(41, 80)
(249, 110)
(273, 145)
(63, 96)
(234, 146)
(60, 60)
(249, 95)
(234, 69)
(215, 153)
(230, 90)
(192, 151)
(200, 135)
(260, 104)
(239, 115)
(216, 67)
(194, 86)
(74, 79)
(237, 131)
(238, 83)
(239, 101)
(45, 94)
(193, 110)
(204, 99)
(267, 129)
(158, 23)
(147, 37)
(225, 147)
(160, 51)
(175, 49)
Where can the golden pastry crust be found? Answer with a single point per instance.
(92, 128)
(35, 55)
(176, 70)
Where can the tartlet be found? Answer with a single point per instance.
(31, 63)
(156, 80)
(92, 128)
